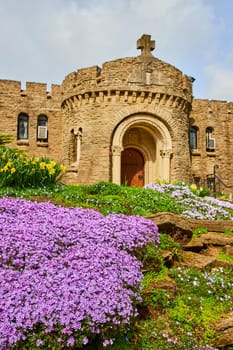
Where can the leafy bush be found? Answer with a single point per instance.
(4, 139)
(16, 169)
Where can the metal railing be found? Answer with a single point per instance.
(214, 182)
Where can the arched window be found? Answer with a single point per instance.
(42, 128)
(193, 137)
(22, 129)
(210, 141)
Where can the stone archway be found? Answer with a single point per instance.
(151, 137)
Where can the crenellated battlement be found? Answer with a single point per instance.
(129, 74)
(212, 107)
(11, 87)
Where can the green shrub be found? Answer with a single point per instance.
(18, 170)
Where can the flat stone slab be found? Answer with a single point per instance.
(207, 239)
(212, 225)
(224, 330)
(199, 261)
(174, 225)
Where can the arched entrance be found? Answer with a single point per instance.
(132, 168)
(149, 138)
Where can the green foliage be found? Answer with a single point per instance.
(186, 314)
(203, 192)
(4, 139)
(111, 198)
(18, 170)
(157, 334)
(150, 257)
(167, 242)
(199, 231)
(202, 299)
(103, 188)
(159, 298)
(199, 191)
(225, 257)
(152, 277)
(228, 233)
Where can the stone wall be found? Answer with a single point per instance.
(219, 116)
(33, 101)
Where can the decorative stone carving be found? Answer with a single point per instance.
(146, 45)
(166, 153)
(78, 139)
(116, 150)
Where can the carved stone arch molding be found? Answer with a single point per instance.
(155, 167)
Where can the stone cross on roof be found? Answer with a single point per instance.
(146, 45)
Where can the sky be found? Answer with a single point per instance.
(43, 41)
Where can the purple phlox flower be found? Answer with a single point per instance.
(68, 267)
(107, 342)
(70, 341)
(39, 342)
(85, 340)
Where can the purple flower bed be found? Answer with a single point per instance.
(69, 272)
(192, 206)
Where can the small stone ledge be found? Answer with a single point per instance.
(195, 152)
(212, 225)
(181, 229)
(213, 238)
(174, 225)
(42, 144)
(210, 153)
(191, 224)
(23, 142)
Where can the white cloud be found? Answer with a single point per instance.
(220, 82)
(46, 40)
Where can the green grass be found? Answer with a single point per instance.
(228, 233)
(225, 257)
(199, 231)
(105, 197)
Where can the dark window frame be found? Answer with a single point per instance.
(209, 137)
(193, 137)
(42, 120)
(23, 127)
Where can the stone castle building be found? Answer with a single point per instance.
(132, 121)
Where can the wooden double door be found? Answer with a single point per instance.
(132, 168)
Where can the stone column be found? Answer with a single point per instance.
(165, 168)
(78, 140)
(116, 164)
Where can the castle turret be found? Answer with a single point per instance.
(136, 105)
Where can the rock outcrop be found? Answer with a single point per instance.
(224, 331)
(202, 252)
